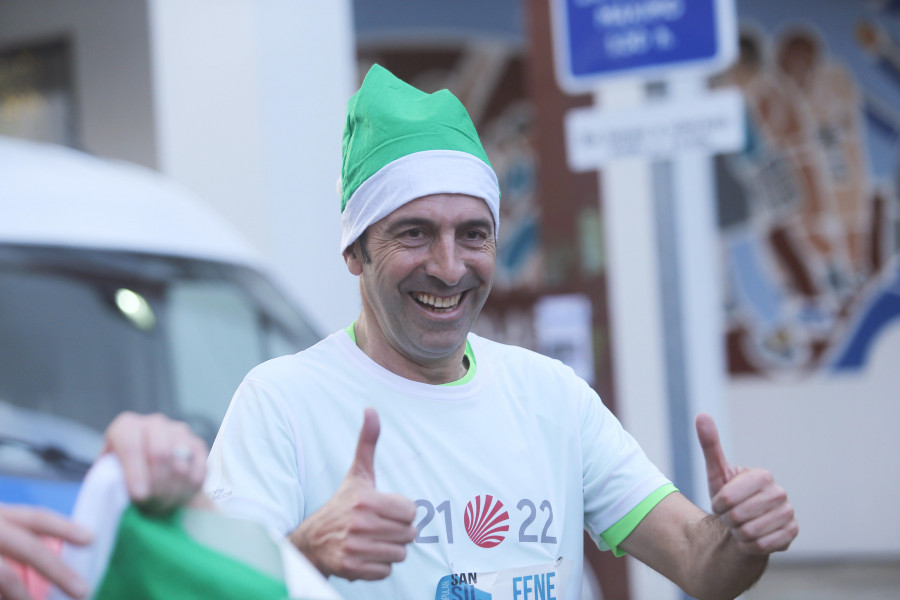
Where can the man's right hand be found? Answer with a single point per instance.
(359, 533)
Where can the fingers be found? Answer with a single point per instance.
(177, 462)
(11, 587)
(718, 469)
(359, 532)
(40, 521)
(163, 461)
(129, 448)
(744, 493)
(386, 517)
(371, 560)
(397, 508)
(23, 545)
(777, 541)
(364, 461)
(757, 511)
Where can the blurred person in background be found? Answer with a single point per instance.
(164, 465)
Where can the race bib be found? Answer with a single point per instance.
(547, 581)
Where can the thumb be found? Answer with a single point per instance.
(363, 466)
(718, 470)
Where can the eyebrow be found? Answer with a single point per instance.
(409, 222)
(478, 223)
(422, 222)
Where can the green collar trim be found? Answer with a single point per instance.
(469, 356)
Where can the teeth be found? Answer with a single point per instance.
(437, 301)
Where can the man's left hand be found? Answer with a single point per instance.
(755, 509)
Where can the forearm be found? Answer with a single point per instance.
(697, 551)
(720, 569)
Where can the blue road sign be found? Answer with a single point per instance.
(597, 39)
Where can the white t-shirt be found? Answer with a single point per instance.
(507, 469)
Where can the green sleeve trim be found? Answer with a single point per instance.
(470, 355)
(622, 528)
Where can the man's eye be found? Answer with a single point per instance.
(475, 235)
(413, 234)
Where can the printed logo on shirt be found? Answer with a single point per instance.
(219, 494)
(485, 524)
(547, 581)
(460, 586)
(486, 521)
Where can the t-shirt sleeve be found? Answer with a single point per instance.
(621, 485)
(254, 467)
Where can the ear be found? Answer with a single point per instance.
(353, 258)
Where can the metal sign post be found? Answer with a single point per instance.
(659, 205)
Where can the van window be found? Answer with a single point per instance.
(86, 334)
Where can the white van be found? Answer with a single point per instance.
(118, 291)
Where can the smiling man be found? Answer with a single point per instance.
(493, 460)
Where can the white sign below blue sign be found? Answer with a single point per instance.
(597, 39)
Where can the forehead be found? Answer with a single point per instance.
(442, 208)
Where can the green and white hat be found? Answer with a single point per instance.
(401, 144)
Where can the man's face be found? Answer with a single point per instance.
(431, 269)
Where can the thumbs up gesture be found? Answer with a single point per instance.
(360, 532)
(748, 501)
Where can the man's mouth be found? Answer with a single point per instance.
(437, 303)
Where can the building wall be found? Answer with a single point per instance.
(241, 102)
(113, 82)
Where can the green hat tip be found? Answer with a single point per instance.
(401, 143)
(388, 118)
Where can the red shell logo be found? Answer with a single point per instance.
(484, 522)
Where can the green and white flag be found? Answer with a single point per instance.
(189, 554)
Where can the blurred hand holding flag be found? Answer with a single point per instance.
(187, 554)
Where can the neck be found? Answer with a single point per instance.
(445, 369)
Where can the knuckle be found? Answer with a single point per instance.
(125, 417)
(793, 529)
(157, 456)
(725, 501)
(181, 428)
(749, 532)
(346, 567)
(789, 512)
(778, 494)
(364, 501)
(756, 546)
(733, 517)
(157, 418)
(356, 522)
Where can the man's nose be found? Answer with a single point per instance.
(445, 262)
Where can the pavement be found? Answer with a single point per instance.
(829, 580)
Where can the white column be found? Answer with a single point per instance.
(636, 315)
(702, 329)
(249, 103)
